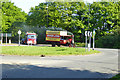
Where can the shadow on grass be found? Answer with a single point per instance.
(32, 71)
(61, 50)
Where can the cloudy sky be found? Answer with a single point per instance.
(25, 5)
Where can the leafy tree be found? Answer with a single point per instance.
(74, 17)
(11, 16)
(105, 16)
(58, 14)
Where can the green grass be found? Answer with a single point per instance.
(33, 50)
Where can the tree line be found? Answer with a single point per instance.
(76, 17)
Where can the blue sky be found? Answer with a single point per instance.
(25, 5)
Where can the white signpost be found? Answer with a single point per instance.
(93, 39)
(85, 33)
(89, 34)
(90, 40)
(86, 41)
(6, 35)
(19, 32)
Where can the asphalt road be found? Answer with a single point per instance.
(102, 65)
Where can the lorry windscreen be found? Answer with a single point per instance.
(65, 38)
(31, 36)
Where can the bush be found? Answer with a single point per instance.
(108, 41)
(117, 77)
(78, 44)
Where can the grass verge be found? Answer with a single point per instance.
(34, 51)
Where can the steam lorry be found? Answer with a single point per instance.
(30, 38)
(59, 38)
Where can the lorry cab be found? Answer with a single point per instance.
(66, 39)
(59, 38)
(30, 38)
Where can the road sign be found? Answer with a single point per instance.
(91, 34)
(4, 34)
(85, 33)
(19, 32)
(93, 39)
(88, 33)
(94, 32)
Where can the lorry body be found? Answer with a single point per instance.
(30, 38)
(59, 38)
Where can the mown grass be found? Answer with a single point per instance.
(34, 50)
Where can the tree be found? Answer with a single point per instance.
(105, 16)
(74, 17)
(58, 14)
(11, 16)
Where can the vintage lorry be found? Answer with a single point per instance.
(30, 38)
(59, 38)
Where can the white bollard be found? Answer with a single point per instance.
(89, 47)
(9, 41)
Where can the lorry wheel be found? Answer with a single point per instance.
(53, 45)
(70, 45)
(67, 44)
(74, 45)
(25, 43)
(58, 45)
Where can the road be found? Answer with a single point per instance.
(101, 65)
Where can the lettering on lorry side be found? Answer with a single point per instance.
(53, 32)
(54, 36)
(52, 39)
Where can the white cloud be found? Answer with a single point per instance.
(25, 5)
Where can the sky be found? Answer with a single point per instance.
(25, 5)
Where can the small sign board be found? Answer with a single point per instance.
(63, 33)
(4, 34)
(93, 32)
(88, 33)
(85, 33)
(19, 32)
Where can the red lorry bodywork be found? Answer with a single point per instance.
(57, 39)
(65, 41)
(30, 37)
